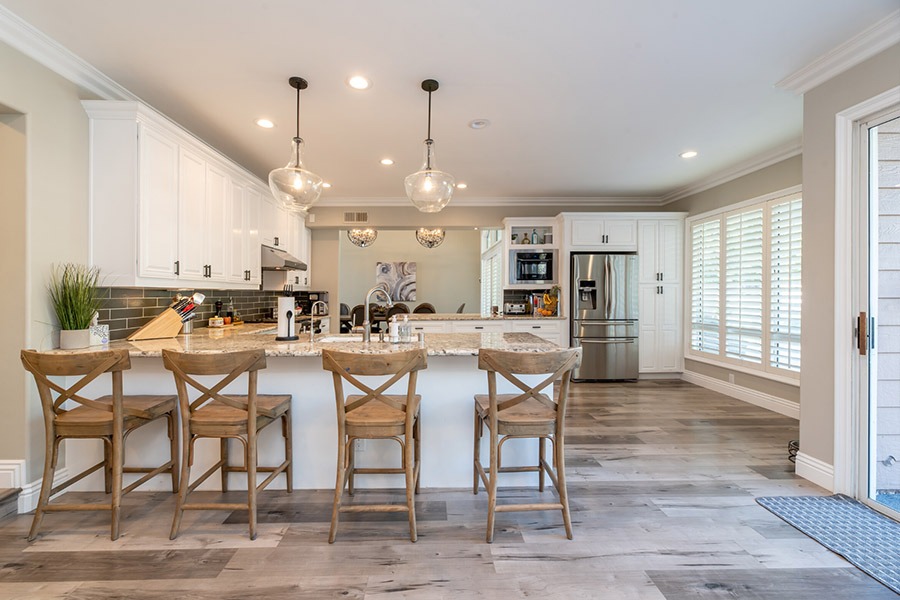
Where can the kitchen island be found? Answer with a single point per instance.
(446, 386)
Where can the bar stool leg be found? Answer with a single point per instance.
(46, 484)
(477, 453)
(187, 458)
(542, 452)
(223, 454)
(117, 464)
(492, 485)
(409, 467)
(287, 431)
(559, 456)
(351, 462)
(107, 464)
(417, 470)
(172, 421)
(250, 461)
(340, 480)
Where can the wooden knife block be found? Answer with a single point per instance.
(166, 324)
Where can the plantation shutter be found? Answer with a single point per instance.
(705, 286)
(785, 257)
(744, 285)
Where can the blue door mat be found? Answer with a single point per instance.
(865, 538)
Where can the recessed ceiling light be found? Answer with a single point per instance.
(265, 123)
(387, 161)
(461, 185)
(326, 185)
(479, 123)
(358, 82)
(688, 154)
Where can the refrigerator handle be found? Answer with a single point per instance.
(607, 286)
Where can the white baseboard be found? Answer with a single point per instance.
(12, 475)
(819, 472)
(763, 400)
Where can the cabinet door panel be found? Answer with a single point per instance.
(622, 233)
(237, 237)
(648, 356)
(252, 202)
(158, 175)
(192, 215)
(218, 208)
(648, 251)
(587, 232)
(670, 250)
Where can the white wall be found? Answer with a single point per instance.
(446, 277)
(54, 216)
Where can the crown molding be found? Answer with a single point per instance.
(866, 44)
(745, 168)
(36, 45)
(503, 201)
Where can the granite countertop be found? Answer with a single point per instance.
(255, 336)
(476, 317)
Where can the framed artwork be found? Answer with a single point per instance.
(400, 278)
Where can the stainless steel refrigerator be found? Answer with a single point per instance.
(604, 310)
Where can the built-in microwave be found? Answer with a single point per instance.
(532, 267)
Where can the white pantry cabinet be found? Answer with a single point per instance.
(660, 250)
(161, 202)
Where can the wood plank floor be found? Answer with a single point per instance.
(662, 481)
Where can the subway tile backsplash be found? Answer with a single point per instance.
(127, 309)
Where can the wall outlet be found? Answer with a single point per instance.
(731, 378)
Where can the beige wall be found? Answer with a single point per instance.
(446, 276)
(56, 227)
(779, 176)
(820, 106)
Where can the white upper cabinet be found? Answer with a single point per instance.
(602, 233)
(157, 175)
(162, 203)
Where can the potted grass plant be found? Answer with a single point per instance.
(75, 297)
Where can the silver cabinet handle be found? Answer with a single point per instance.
(177, 267)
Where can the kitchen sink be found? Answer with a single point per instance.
(341, 338)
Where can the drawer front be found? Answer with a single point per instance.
(478, 327)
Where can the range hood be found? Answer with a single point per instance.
(275, 259)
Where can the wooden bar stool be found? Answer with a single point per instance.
(216, 415)
(108, 418)
(376, 415)
(530, 414)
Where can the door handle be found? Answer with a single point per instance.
(619, 341)
(862, 339)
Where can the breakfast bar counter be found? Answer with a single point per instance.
(447, 387)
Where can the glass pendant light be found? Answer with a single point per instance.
(428, 189)
(292, 185)
(362, 237)
(430, 238)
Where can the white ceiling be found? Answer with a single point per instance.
(586, 98)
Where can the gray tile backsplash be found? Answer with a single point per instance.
(127, 309)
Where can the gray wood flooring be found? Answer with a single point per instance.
(662, 481)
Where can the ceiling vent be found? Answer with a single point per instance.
(356, 217)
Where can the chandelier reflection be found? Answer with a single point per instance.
(430, 238)
(362, 237)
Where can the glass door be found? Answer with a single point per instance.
(879, 326)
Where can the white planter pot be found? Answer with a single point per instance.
(70, 339)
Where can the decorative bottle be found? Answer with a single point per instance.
(534, 236)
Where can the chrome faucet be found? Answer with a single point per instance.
(312, 312)
(367, 330)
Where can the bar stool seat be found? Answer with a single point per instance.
(268, 408)
(531, 417)
(137, 409)
(377, 418)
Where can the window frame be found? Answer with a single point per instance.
(763, 369)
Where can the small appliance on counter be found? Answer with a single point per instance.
(287, 327)
(515, 308)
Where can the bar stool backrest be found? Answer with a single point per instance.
(558, 363)
(90, 365)
(347, 365)
(231, 365)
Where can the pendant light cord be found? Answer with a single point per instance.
(298, 113)
(429, 116)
